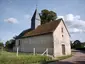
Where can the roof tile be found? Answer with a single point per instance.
(44, 28)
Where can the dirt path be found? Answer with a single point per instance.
(78, 58)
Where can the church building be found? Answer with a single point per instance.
(53, 36)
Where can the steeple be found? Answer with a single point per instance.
(35, 20)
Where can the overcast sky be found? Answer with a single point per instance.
(15, 16)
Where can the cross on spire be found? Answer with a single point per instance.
(36, 6)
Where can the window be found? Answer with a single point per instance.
(19, 43)
(62, 35)
(62, 30)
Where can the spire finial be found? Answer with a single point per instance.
(36, 6)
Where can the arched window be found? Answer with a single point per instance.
(62, 30)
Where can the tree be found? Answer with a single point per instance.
(77, 44)
(10, 44)
(47, 16)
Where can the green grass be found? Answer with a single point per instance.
(25, 58)
(64, 57)
(11, 58)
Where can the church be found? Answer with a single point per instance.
(53, 36)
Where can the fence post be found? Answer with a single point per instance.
(34, 51)
(47, 51)
(17, 50)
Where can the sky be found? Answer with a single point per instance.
(15, 16)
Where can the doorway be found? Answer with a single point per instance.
(63, 49)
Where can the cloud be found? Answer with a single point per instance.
(76, 30)
(11, 20)
(74, 23)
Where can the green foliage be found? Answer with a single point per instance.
(9, 44)
(1, 44)
(83, 45)
(47, 16)
(76, 44)
(11, 58)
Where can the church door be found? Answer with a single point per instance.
(63, 49)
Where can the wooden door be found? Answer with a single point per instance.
(63, 49)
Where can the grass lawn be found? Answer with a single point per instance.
(25, 58)
(11, 58)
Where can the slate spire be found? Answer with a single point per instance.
(35, 20)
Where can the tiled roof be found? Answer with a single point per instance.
(22, 33)
(43, 29)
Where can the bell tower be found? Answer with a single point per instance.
(35, 20)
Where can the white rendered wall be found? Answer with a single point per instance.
(40, 43)
(59, 40)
